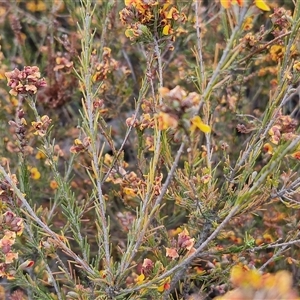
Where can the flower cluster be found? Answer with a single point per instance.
(145, 121)
(150, 18)
(283, 130)
(178, 111)
(10, 227)
(131, 186)
(63, 63)
(183, 246)
(41, 126)
(34, 173)
(149, 269)
(106, 66)
(130, 183)
(80, 146)
(281, 20)
(26, 81)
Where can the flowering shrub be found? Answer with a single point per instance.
(150, 149)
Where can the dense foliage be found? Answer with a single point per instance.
(150, 149)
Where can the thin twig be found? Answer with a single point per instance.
(290, 243)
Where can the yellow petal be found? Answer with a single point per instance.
(164, 285)
(77, 142)
(129, 2)
(198, 123)
(140, 279)
(261, 4)
(225, 3)
(166, 30)
(35, 174)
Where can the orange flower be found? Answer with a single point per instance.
(53, 185)
(138, 4)
(40, 155)
(296, 155)
(268, 148)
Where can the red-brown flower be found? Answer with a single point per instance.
(26, 81)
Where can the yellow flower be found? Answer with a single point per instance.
(248, 24)
(34, 6)
(173, 14)
(14, 101)
(277, 52)
(108, 159)
(129, 191)
(283, 282)
(35, 174)
(77, 142)
(261, 4)
(165, 285)
(197, 123)
(167, 30)
(140, 279)
(40, 155)
(268, 238)
(296, 66)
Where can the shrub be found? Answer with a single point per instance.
(150, 149)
